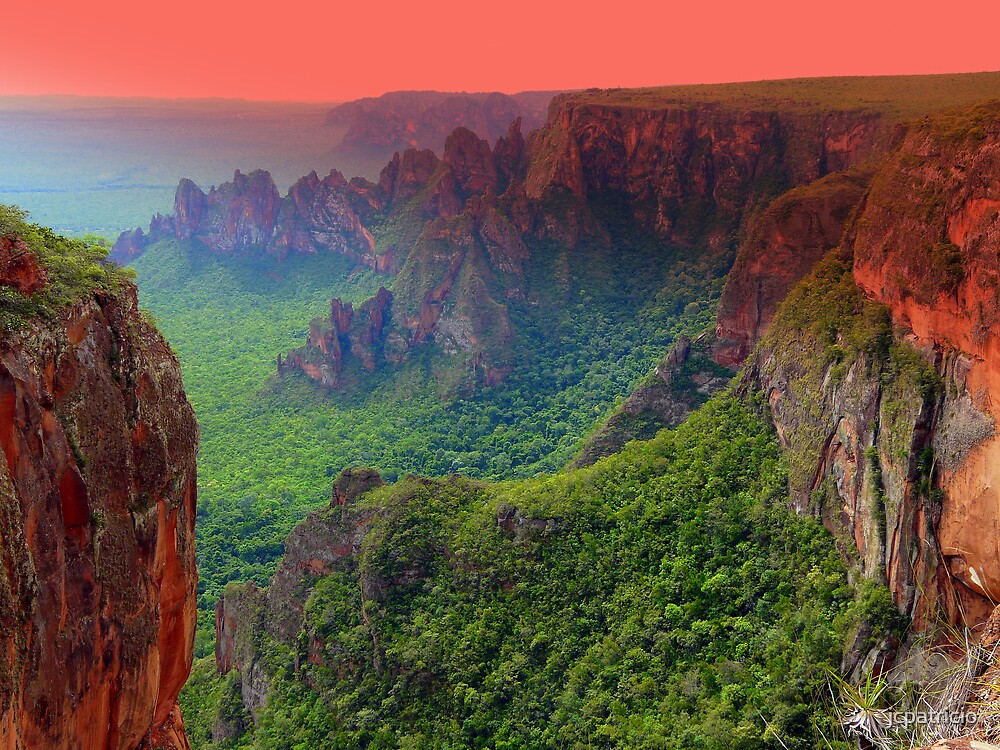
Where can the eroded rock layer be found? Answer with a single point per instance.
(926, 246)
(881, 374)
(781, 248)
(97, 512)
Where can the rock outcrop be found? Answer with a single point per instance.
(19, 268)
(97, 513)
(781, 248)
(327, 541)
(248, 216)
(855, 409)
(344, 334)
(130, 245)
(683, 380)
(878, 369)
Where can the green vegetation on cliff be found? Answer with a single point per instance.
(665, 597)
(72, 267)
(824, 330)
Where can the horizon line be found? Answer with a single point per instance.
(333, 102)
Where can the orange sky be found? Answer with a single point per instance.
(335, 50)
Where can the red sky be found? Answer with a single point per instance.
(335, 50)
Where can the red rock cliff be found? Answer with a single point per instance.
(928, 247)
(781, 247)
(692, 171)
(97, 513)
(881, 371)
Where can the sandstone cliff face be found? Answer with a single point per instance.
(887, 406)
(97, 513)
(697, 170)
(471, 161)
(781, 248)
(855, 410)
(461, 261)
(691, 174)
(322, 215)
(926, 247)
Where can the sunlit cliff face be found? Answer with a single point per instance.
(97, 513)
(928, 246)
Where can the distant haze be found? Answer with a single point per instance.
(101, 166)
(316, 50)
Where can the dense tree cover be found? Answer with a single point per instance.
(74, 268)
(596, 320)
(665, 597)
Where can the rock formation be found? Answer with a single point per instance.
(97, 513)
(879, 370)
(343, 334)
(683, 380)
(693, 169)
(878, 367)
(248, 216)
(781, 248)
(19, 267)
(457, 232)
(881, 377)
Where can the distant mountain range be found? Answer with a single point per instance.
(424, 119)
(100, 165)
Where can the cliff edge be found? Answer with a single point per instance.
(97, 507)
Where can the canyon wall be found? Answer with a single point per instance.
(781, 248)
(459, 232)
(693, 172)
(464, 227)
(97, 513)
(926, 246)
(879, 366)
(880, 372)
